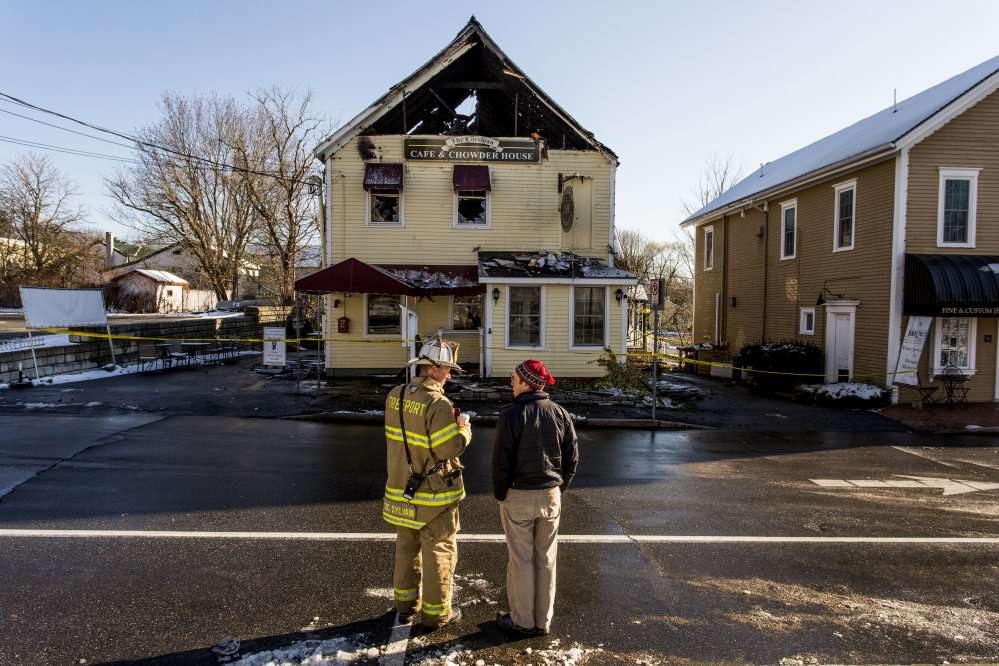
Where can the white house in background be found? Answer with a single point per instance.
(184, 265)
(143, 290)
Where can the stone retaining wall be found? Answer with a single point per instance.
(90, 353)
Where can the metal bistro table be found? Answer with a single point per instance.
(953, 381)
(196, 350)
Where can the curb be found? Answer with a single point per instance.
(635, 424)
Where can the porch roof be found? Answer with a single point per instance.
(354, 276)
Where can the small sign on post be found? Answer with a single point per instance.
(274, 346)
(657, 294)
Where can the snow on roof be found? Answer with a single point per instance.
(880, 130)
(156, 276)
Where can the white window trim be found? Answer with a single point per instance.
(379, 336)
(842, 187)
(393, 225)
(709, 265)
(951, 173)
(793, 203)
(935, 367)
(572, 320)
(802, 329)
(489, 213)
(506, 318)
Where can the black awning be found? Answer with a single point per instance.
(951, 285)
(382, 176)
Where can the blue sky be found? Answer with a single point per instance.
(662, 84)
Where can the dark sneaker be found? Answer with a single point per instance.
(504, 620)
(455, 617)
(538, 631)
(406, 618)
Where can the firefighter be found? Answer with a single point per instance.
(424, 487)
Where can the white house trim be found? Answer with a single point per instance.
(506, 319)
(572, 320)
(837, 189)
(897, 261)
(958, 173)
(950, 112)
(834, 308)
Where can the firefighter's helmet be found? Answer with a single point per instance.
(439, 354)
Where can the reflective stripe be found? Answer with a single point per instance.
(443, 435)
(431, 609)
(427, 499)
(414, 439)
(406, 595)
(396, 520)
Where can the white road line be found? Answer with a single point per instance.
(486, 538)
(394, 652)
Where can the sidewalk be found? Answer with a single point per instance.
(967, 419)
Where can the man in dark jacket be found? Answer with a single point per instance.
(534, 459)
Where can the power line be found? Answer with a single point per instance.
(70, 151)
(147, 144)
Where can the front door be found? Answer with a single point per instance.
(840, 321)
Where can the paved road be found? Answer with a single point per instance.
(679, 547)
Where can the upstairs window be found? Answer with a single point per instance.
(957, 207)
(383, 183)
(789, 229)
(709, 248)
(846, 194)
(472, 187)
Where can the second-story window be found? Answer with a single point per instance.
(846, 194)
(472, 187)
(709, 248)
(383, 183)
(957, 207)
(789, 229)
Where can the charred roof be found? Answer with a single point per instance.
(501, 101)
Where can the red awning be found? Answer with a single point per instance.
(382, 176)
(471, 177)
(356, 277)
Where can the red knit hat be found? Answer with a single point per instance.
(534, 374)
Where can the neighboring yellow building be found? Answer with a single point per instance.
(466, 201)
(879, 244)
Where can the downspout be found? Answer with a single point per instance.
(724, 313)
(766, 243)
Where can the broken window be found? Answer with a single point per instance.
(383, 315)
(472, 207)
(385, 206)
(467, 313)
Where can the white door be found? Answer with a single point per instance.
(410, 328)
(840, 320)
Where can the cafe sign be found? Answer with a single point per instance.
(472, 149)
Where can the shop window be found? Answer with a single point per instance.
(846, 195)
(954, 344)
(589, 307)
(382, 315)
(525, 317)
(957, 207)
(807, 324)
(467, 313)
(789, 229)
(709, 248)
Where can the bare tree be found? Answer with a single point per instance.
(285, 133)
(184, 189)
(42, 237)
(717, 174)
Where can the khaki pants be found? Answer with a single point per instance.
(431, 549)
(530, 523)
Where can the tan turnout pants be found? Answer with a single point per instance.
(530, 523)
(431, 550)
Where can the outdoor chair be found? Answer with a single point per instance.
(176, 356)
(926, 393)
(148, 355)
(955, 385)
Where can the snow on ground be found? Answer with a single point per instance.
(845, 390)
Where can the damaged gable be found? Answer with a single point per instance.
(469, 88)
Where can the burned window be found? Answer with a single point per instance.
(385, 207)
(467, 313)
(472, 207)
(383, 315)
